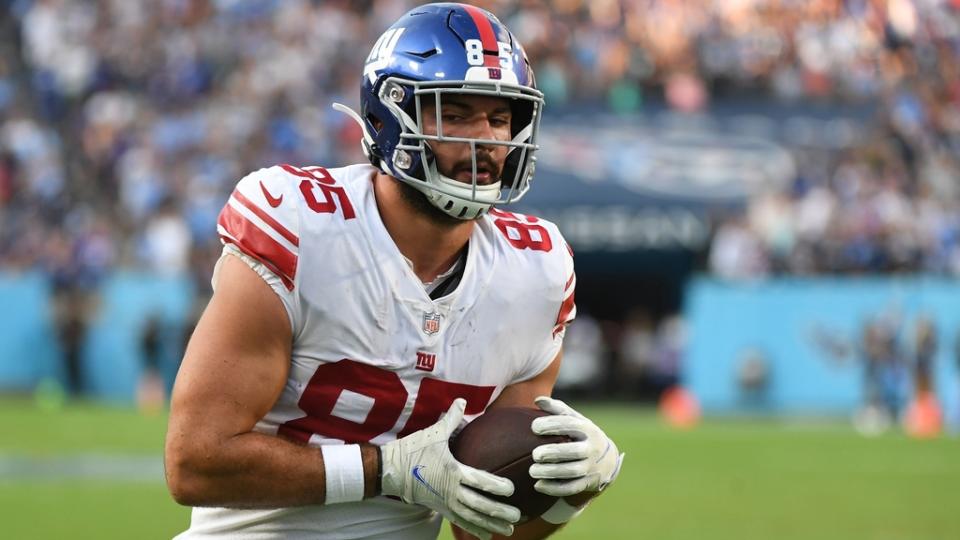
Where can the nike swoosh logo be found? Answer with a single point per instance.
(605, 450)
(271, 200)
(419, 478)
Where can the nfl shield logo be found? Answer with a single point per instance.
(431, 323)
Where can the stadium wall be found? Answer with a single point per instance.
(797, 345)
(28, 346)
(113, 358)
(806, 334)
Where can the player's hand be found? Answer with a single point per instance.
(420, 469)
(589, 463)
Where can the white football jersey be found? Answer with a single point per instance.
(374, 356)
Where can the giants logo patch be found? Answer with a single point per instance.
(426, 361)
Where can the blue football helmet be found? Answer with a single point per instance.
(433, 51)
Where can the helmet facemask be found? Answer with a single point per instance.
(413, 160)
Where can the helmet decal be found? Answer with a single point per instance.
(381, 53)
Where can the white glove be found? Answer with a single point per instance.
(589, 463)
(420, 469)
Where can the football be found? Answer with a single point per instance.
(500, 441)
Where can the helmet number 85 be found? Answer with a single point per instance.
(475, 53)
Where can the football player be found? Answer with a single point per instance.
(362, 314)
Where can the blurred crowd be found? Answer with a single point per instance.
(124, 124)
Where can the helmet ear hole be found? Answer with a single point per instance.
(375, 122)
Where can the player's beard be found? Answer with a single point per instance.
(419, 202)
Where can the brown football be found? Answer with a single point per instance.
(500, 441)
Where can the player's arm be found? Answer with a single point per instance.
(233, 371)
(524, 393)
(562, 468)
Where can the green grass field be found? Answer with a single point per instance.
(736, 480)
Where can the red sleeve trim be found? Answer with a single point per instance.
(251, 240)
(566, 308)
(284, 232)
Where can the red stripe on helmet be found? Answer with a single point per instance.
(491, 50)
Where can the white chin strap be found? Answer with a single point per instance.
(457, 199)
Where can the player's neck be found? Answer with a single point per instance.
(432, 247)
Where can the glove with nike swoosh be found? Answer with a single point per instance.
(420, 469)
(589, 463)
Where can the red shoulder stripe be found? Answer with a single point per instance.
(566, 308)
(284, 232)
(259, 245)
